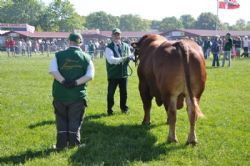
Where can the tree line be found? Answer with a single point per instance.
(60, 15)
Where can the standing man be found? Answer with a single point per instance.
(12, 46)
(216, 51)
(7, 46)
(227, 49)
(245, 46)
(71, 69)
(117, 58)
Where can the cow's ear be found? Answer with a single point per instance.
(134, 45)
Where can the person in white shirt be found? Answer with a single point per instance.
(118, 56)
(71, 70)
(245, 46)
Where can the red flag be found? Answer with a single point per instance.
(229, 4)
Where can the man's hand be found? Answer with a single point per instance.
(131, 57)
(69, 84)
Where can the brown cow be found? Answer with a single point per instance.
(170, 72)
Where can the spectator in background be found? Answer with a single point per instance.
(19, 46)
(198, 40)
(91, 49)
(12, 44)
(36, 46)
(245, 46)
(47, 47)
(206, 47)
(237, 44)
(29, 47)
(215, 48)
(227, 50)
(97, 49)
(24, 47)
(102, 48)
(42, 46)
(7, 46)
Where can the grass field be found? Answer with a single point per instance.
(27, 123)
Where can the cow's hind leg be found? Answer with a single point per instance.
(171, 111)
(192, 119)
(147, 102)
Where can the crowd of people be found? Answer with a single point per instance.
(221, 47)
(228, 46)
(19, 46)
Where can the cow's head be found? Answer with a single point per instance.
(136, 51)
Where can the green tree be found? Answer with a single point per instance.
(225, 26)
(240, 25)
(133, 23)
(169, 23)
(21, 11)
(187, 21)
(208, 21)
(61, 16)
(155, 24)
(248, 26)
(101, 20)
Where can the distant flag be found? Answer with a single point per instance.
(229, 4)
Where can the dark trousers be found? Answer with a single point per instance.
(245, 53)
(112, 84)
(216, 59)
(69, 116)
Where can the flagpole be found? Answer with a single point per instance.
(216, 26)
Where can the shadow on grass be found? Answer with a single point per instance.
(96, 116)
(106, 145)
(119, 145)
(50, 122)
(43, 123)
(25, 156)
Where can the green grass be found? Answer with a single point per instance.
(27, 123)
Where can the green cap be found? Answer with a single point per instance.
(76, 37)
(116, 30)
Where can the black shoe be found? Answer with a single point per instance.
(125, 111)
(110, 113)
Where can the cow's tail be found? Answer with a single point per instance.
(183, 50)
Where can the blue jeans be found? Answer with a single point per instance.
(216, 59)
(227, 54)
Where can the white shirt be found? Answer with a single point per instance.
(245, 42)
(57, 75)
(90, 70)
(109, 54)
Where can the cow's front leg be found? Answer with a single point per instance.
(191, 115)
(147, 102)
(147, 109)
(171, 119)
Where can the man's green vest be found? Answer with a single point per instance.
(72, 64)
(119, 70)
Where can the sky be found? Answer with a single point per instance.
(159, 9)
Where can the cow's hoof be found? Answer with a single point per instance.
(193, 143)
(172, 140)
(145, 123)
